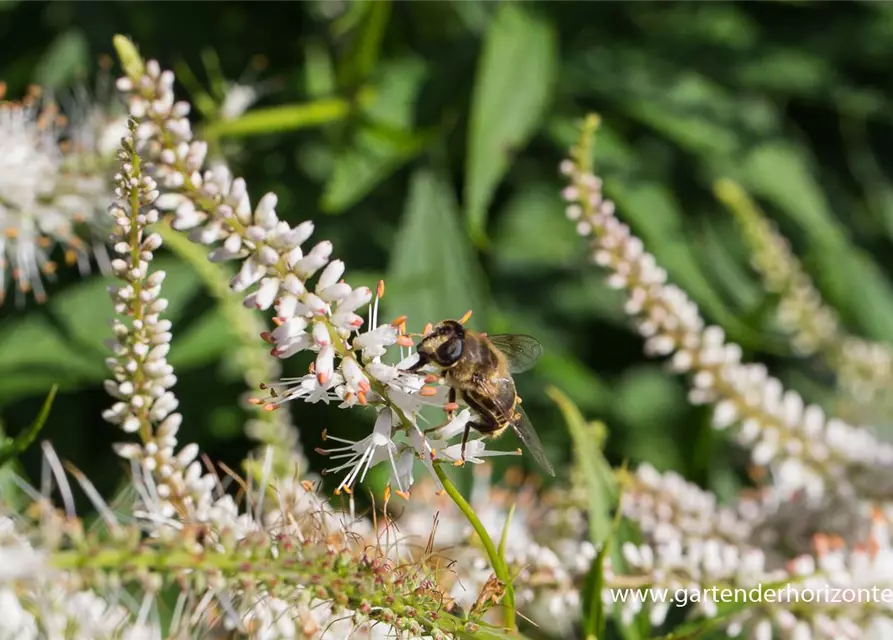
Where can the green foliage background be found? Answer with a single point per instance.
(423, 138)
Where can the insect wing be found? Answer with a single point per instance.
(528, 436)
(522, 351)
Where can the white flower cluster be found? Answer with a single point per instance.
(804, 448)
(174, 490)
(55, 174)
(315, 309)
(36, 602)
(142, 376)
(692, 544)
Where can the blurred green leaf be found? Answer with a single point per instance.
(594, 619)
(474, 14)
(512, 89)
(787, 69)
(281, 118)
(206, 339)
(434, 272)
(385, 140)
(64, 341)
(723, 267)
(665, 397)
(362, 58)
(601, 489)
(648, 433)
(534, 234)
(869, 306)
(67, 58)
(780, 171)
(13, 447)
(319, 76)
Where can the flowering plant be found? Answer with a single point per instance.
(266, 554)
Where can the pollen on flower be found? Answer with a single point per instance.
(379, 290)
(427, 328)
(428, 391)
(404, 341)
(399, 322)
(465, 318)
(431, 378)
(451, 406)
(402, 494)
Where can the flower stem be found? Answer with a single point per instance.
(496, 561)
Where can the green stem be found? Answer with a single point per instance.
(496, 560)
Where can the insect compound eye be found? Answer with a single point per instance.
(449, 351)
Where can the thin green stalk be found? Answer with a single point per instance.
(496, 560)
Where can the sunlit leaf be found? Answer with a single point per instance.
(601, 489)
(319, 76)
(281, 118)
(512, 89)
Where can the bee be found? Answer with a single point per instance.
(480, 368)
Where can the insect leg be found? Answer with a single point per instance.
(461, 460)
(452, 400)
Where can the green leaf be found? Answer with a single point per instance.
(359, 63)
(534, 234)
(64, 341)
(512, 89)
(374, 156)
(319, 77)
(281, 118)
(781, 172)
(206, 339)
(434, 272)
(14, 447)
(594, 619)
(869, 306)
(385, 140)
(66, 58)
(503, 540)
(589, 458)
(647, 433)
